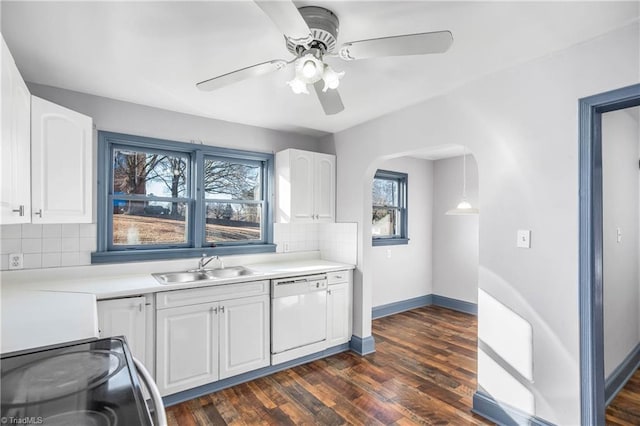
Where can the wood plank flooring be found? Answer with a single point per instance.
(423, 372)
(624, 410)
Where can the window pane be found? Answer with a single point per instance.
(145, 173)
(385, 192)
(226, 180)
(386, 222)
(233, 222)
(149, 222)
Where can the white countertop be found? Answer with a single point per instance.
(110, 281)
(38, 318)
(47, 306)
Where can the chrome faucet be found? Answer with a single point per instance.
(204, 261)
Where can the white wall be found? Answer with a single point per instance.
(403, 272)
(455, 238)
(522, 126)
(620, 144)
(125, 117)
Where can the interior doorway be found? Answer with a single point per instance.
(592, 357)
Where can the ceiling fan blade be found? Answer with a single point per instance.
(287, 19)
(330, 100)
(241, 74)
(410, 44)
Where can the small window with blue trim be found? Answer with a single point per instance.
(160, 199)
(389, 209)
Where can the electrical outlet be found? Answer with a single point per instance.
(15, 261)
(524, 238)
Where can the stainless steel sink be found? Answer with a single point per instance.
(234, 271)
(195, 276)
(181, 277)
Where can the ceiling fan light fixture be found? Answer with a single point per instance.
(309, 67)
(298, 86)
(331, 78)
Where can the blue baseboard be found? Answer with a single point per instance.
(455, 304)
(363, 346)
(621, 375)
(199, 391)
(503, 414)
(419, 302)
(397, 307)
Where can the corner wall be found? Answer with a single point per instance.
(403, 272)
(455, 238)
(620, 144)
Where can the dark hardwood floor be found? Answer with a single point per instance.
(423, 372)
(625, 407)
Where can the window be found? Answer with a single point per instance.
(389, 213)
(160, 199)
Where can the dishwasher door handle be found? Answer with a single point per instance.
(160, 417)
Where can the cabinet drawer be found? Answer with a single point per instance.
(194, 296)
(338, 277)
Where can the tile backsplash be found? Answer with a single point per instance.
(335, 241)
(51, 246)
(48, 246)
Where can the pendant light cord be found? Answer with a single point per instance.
(464, 173)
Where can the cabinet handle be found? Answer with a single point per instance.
(222, 309)
(214, 310)
(19, 210)
(141, 306)
(329, 292)
(338, 277)
(38, 213)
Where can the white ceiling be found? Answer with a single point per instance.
(153, 53)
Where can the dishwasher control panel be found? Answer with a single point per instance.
(298, 285)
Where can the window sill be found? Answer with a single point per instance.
(123, 256)
(389, 241)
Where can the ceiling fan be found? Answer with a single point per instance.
(311, 35)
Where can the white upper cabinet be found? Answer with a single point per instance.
(305, 186)
(61, 164)
(15, 184)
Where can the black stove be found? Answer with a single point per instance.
(89, 383)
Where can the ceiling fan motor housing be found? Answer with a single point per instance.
(323, 24)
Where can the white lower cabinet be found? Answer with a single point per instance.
(244, 335)
(204, 342)
(187, 339)
(339, 310)
(131, 317)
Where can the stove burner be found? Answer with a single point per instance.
(84, 418)
(58, 376)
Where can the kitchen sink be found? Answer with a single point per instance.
(234, 271)
(195, 276)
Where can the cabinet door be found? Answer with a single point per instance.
(125, 317)
(338, 314)
(244, 335)
(61, 164)
(324, 187)
(15, 157)
(187, 347)
(302, 188)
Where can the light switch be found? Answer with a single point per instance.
(618, 235)
(524, 238)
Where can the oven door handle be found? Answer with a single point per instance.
(160, 417)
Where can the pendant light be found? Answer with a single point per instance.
(463, 207)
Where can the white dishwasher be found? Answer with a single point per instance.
(298, 317)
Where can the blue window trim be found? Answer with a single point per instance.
(403, 185)
(195, 246)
